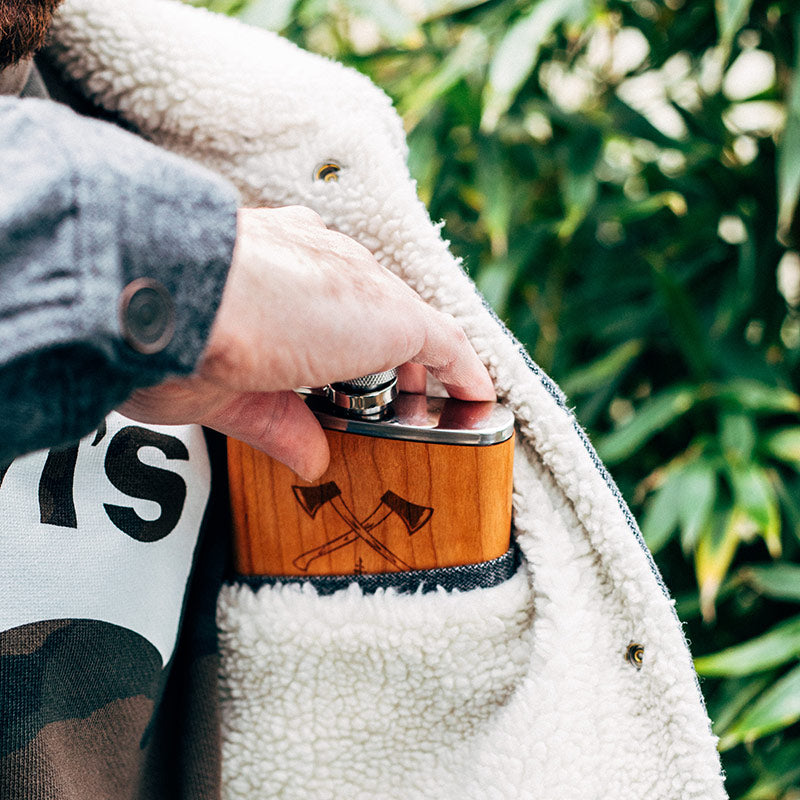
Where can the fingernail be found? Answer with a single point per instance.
(313, 468)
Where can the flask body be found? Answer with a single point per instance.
(427, 486)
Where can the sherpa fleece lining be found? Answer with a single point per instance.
(355, 695)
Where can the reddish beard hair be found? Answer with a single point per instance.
(23, 26)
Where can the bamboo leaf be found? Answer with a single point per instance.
(496, 186)
(578, 183)
(734, 695)
(661, 513)
(392, 21)
(651, 417)
(755, 495)
(731, 16)
(779, 645)
(778, 581)
(495, 281)
(751, 395)
(716, 548)
(630, 211)
(789, 503)
(468, 54)
(579, 192)
(696, 501)
(776, 709)
(687, 605)
(424, 162)
(274, 15)
(425, 10)
(518, 52)
(782, 772)
(685, 322)
(789, 154)
(784, 445)
(738, 437)
(598, 373)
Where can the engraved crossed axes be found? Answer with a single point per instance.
(312, 498)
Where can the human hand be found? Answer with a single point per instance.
(306, 306)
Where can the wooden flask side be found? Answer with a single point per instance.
(446, 505)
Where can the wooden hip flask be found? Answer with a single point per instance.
(420, 483)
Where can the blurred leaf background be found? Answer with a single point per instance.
(621, 178)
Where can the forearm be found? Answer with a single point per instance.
(85, 209)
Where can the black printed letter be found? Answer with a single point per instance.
(131, 476)
(56, 503)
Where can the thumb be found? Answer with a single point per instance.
(278, 423)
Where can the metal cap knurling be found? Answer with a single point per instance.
(367, 383)
(365, 396)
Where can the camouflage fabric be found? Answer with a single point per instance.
(89, 711)
(78, 698)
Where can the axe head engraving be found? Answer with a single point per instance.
(414, 517)
(312, 498)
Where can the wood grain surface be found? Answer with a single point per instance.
(383, 505)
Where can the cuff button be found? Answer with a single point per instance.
(146, 316)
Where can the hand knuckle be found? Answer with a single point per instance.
(272, 421)
(453, 329)
(304, 214)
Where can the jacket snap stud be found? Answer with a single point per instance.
(635, 655)
(328, 172)
(146, 316)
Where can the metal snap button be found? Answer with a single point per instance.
(146, 316)
(634, 654)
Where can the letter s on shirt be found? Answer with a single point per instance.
(105, 529)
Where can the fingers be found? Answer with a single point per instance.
(304, 305)
(449, 356)
(412, 378)
(299, 215)
(281, 425)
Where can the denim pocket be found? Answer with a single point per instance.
(462, 578)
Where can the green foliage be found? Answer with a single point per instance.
(621, 178)
(772, 649)
(789, 157)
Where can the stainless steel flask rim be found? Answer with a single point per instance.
(372, 406)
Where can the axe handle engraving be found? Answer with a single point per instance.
(304, 560)
(344, 512)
